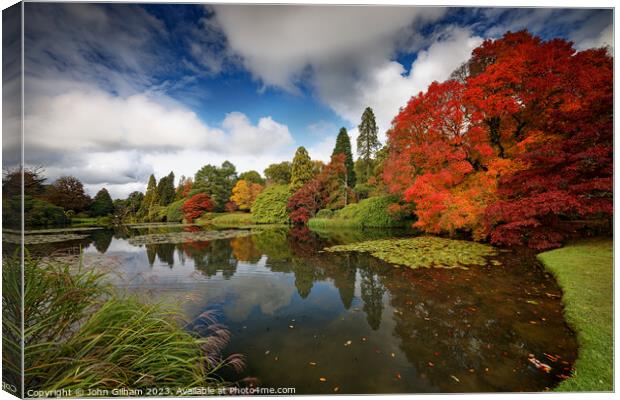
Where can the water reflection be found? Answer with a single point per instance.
(289, 304)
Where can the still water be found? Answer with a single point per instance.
(350, 323)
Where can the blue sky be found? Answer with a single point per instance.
(115, 92)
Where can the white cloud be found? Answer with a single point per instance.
(346, 53)
(389, 87)
(279, 44)
(116, 141)
(604, 39)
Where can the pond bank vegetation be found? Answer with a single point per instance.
(81, 335)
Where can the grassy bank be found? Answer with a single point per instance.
(584, 270)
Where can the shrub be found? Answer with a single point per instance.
(270, 205)
(325, 213)
(373, 212)
(174, 212)
(41, 213)
(197, 205)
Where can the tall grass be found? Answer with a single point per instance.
(80, 335)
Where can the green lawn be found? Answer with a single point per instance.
(584, 270)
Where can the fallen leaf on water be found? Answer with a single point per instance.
(393, 355)
(312, 363)
(323, 379)
(436, 354)
(348, 343)
(539, 365)
(398, 376)
(430, 364)
(550, 357)
(267, 352)
(276, 358)
(291, 326)
(486, 370)
(363, 339)
(336, 389)
(533, 322)
(471, 370)
(455, 378)
(531, 302)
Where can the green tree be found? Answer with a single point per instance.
(68, 192)
(279, 173)
(102, 204)
(252, 177)
(216, 182)
(343, 146)
(165, 189)
(367, 142)
(302, 169)
(150, 200)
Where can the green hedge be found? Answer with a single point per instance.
(270, 206)
(368, 213)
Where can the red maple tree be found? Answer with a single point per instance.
(197, 205)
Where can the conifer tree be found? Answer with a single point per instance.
(343, 146)
(301, 171)
(367, 142)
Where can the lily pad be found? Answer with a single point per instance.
(41, 239)
(182, 237)
(424, 252)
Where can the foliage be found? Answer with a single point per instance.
(38, 213)
(424, 252)
(174, 213)
(231, 206)
(270, 205)
(343, 146)
(301, 170)
(367, 144)
(245, 193)
(216, 182)
(197, 205)
(325, 213)
(327, 190)
(79, 335)
(252, 177)
(165, 189)
(102, 204)
(516, 150)
(150, 200)
(278, 173)
(68, 192)
(588, 301)
(33, 180)
(184, 187)
(373, 212)
(134, 201)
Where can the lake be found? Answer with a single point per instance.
(348, 322)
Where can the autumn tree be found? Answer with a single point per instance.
(102, 204)
(217, 182)
(197, 205)
(367, 143)
(279, 173)
(245, 193)
(68, 192)
(184, 187)
(301, 170)
(343, 146)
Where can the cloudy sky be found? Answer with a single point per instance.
(115, 92)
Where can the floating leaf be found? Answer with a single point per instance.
(455, 378)
(322, 379)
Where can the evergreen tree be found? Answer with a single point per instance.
(343, 146)
(252, 177)
(367, 142)
(151, 198)
(102, 204)
(216, 182)
(279, 173)
(165, 189)
(301, 171)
